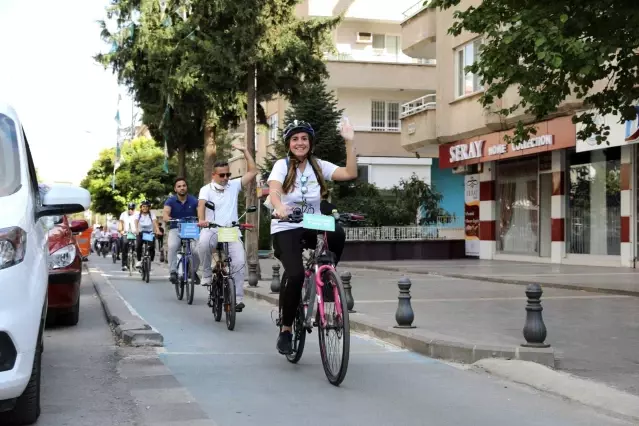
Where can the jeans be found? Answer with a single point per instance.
(208, 243)
(124, 247)
(287, 247)
(174, 245)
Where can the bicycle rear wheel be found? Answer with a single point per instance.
(334, 338)
(190, 280)
(229, 302)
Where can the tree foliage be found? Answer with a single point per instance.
(316, 105)
(553, 49)
(139, 177)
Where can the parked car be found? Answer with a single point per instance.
(65, 269)
(24, 268)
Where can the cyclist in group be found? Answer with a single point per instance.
(95, 236)
(127, 224)
(114, 236)
(224, 194)
(299, 181)
(145, 222)
(179, 206)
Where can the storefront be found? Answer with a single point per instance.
(522, 187)
(554, 198)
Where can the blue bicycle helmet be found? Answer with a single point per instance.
(298, 126)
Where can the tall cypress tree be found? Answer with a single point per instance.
(317, 106)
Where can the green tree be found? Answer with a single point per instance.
(139, 177)
(316, 105)
(552, 49)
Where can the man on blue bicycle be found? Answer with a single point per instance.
(179, 206)
(224, 194)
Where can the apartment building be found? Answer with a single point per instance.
(550, 199)
(371, 78)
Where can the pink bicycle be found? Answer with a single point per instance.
(323, 301)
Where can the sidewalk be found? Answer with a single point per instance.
(587, 278)
(594, 336)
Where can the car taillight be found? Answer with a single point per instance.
(13, 243)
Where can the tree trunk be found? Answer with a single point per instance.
(251, 189)
(182, 161)
(210, 152)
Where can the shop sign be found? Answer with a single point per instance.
(620, 133)
(471, 214)
(475, 149)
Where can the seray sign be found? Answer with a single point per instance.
(466, 151)
(474, 149)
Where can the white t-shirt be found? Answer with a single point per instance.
(225, 202)
(309, 202)
(129, 221)
(113, 227)
(145, 221)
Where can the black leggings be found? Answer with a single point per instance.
(287, 247)
(138, 248)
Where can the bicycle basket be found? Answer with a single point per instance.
(189, 230)
(146, 236)
(130, 236)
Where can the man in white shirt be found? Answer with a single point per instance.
(127, 224)
(224, 194)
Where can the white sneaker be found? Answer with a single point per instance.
(206, 280)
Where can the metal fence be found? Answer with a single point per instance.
(402, 233)
(418, 105)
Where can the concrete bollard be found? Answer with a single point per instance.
(346, 280)
(404, 315)
(534, 328)
(275, 282)
(252, 277)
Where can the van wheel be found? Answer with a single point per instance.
(27, 409)
(72, 317)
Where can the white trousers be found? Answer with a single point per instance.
(236, 252)
(174, 242)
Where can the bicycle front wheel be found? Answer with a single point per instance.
(147, 269)
(229, 302)
(216, 297)
(334, 337)
(190, 280)
(299, 336)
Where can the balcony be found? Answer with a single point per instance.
(379, 142)
(419, 30)
(367, 71)
(419, 125)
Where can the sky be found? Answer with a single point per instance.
(66, 102)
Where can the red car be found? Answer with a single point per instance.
(65, 270)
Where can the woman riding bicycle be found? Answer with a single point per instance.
(145, 222)
(299, 181)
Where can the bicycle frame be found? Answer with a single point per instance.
(317, 270)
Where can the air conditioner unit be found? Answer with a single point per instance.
(363, 37)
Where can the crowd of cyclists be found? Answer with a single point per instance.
(297, 182)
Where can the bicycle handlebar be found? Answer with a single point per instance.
(297, 217)
(242, 226)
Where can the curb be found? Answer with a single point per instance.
(587, 392)
(128, 326)
(434, 347)
(576, 287)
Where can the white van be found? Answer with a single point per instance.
(24, 268)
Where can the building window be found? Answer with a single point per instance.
(517, 206)
(273, 129)
(594, 202)
(386, 45)
(385, 116)
(362, 173)
(467, 82)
